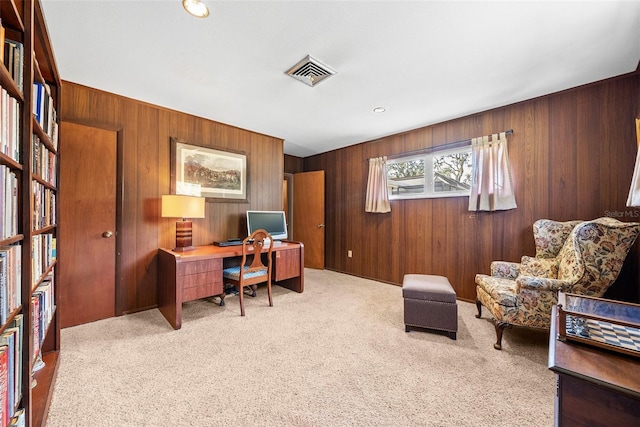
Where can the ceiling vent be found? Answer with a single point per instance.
(310, 71)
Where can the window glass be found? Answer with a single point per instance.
(438, 174)
(405, 176)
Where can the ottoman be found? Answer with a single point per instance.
(430, 303)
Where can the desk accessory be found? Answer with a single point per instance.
(181, 206)
(613, 325)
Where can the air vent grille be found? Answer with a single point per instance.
(310, 71)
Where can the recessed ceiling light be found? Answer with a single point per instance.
(379, 110)
(195, 8)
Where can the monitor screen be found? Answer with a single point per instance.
(274, 222)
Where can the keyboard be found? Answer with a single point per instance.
(229, 243)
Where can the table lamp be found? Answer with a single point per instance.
(180, 206)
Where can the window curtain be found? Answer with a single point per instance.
(491, 184)
(377, 198)
(634, 192)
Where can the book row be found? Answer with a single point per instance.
(44, 162)
(44, 206)
(42, 302)
(11, 371)
(9, 125)
(13, 59)
(10, 279)
(8, 203)
(43, 254)
(44, 111)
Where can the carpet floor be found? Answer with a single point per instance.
(335, 355)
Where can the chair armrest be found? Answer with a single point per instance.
(505, 269)
(541, 283)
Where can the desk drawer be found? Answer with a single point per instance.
(202, 266)
(201, 285)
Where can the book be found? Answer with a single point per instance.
(14, 50)
(4, 382)
(3, 284)
(17, 323)
(9, 56)
(10, 275)
(35, 321)
(37, 101)
(9, 339)
(2, 31)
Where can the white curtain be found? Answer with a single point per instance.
(491, 184)
(634, 192)
(377, 198)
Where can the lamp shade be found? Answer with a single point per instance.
(634, 192)
(180, 206)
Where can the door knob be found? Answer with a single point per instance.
(320, 225)
(107, 234)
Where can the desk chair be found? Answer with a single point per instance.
(253, 269)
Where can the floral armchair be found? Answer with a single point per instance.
(582, 257)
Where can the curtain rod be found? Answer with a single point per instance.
(445, 146)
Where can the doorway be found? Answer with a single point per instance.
(308, 216)
(87, 222)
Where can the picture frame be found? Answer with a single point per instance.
(219, 175)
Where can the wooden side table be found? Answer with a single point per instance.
(595, 387)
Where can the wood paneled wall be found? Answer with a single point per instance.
(145, 131)
(293, 164)
(572, 155)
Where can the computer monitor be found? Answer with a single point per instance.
(274, 222)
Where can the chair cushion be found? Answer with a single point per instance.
(234, 273)
(601, 246)
(550, 235)
(539, 267)
(505, 269)
(502, 291)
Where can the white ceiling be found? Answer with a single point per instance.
(424, 61)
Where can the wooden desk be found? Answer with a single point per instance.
(595, 387)
(186, 276)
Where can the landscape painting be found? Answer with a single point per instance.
(208, 172)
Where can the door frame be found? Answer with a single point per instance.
(118, 303)
(289, 178)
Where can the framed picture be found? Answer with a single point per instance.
(218, 175)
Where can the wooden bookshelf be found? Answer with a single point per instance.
(23, 21)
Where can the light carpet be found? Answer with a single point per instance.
(335, 355)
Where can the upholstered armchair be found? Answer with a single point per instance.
(581, 257)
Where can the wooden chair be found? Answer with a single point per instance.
(254, 271)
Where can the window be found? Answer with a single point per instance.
(436, 174)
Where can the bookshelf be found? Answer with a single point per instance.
(29, 326)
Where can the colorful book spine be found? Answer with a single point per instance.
(4, 385)
(44, 111)
(8, 203)
(10, 338)
(9, 125)
(43, 162)
(14, 52)
(44, 206)
(10, 275)
(18, 324)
